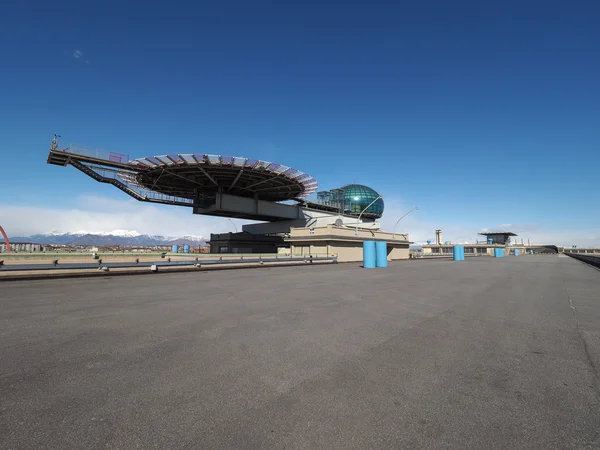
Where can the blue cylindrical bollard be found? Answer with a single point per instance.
(462, 252)
(369, 254)
(516, 252)
(456, 252)
(381, 254)
(531, 252)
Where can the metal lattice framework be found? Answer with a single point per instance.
(202, 176)
(194, 180)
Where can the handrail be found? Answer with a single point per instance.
(123, 265)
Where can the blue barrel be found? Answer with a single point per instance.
(490, 240)
(381, 254)
(501, 251)
(516, 252)
(369, 254)
(456, 252)
(531, 252)
(186, 248)
(175, 249)
(462, 252)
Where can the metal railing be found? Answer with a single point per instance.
(444, 255)
(125, 182)
(93, 152)
(592, 260)
(197, 262)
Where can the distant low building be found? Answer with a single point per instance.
(498, 237)
(22, 247)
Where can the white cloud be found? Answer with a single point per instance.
(421, 227)
(101, 214)
(78, 55)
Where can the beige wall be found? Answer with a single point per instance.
(397, 253)
(341, 232)
(344, 243)
(489, 249)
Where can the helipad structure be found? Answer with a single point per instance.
(245, 188)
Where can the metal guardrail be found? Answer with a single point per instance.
(446, 255)
(588, 259)
(155, 265)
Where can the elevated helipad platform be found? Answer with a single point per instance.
(225, 186)
(211, 184)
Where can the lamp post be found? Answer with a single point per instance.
(235, 226)
(414, 209)
(361, 213)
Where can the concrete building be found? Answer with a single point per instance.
(245, 243)
(331, 240)
(275, 195)
(337, 224)
(345, 243)
(470, 249)
(22, 247)
(498, 237)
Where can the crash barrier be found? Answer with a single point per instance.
(154, 266)
(588, 259)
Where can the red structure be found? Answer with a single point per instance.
(5, 239)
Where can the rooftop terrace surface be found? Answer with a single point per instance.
(484, 353)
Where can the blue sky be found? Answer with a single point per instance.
(478, 112)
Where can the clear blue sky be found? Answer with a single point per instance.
(482, 113)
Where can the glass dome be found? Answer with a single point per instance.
(357, 197)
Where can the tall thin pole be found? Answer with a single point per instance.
(236, 230)
(361, 213)
(394, 233)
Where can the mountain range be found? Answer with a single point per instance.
(113, 238)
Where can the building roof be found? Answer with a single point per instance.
(188, 179)
(187, 175)
(498, 233)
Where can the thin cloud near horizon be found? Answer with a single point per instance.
(104, 214)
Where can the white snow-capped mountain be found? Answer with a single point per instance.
(122, 233)
(115, 237)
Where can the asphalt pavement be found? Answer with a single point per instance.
(487, 353)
